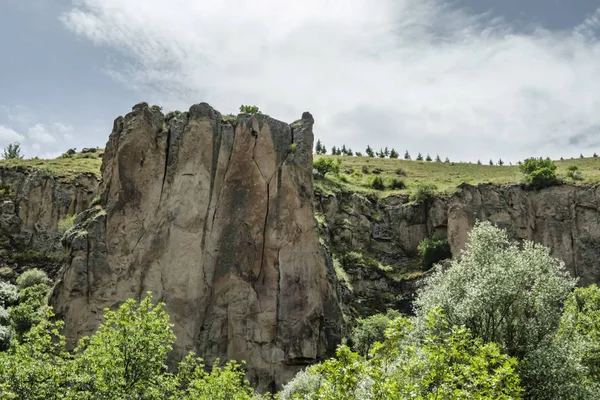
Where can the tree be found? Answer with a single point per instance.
(503, 293)
(318, 147)
(433, 250)
(381, 153)
(437, 158)
(539, 172)
(491, 162)
(12, 152)
(419, 157)
(581, 155)
(334, 151)
(595, 155)
(252, 110)
(343, 150)
(323, 150)
(428, 158)
(327, 165)
(369, 152)
(478, 162)
(500, 162)
(386, 152)
(358, 154)
(394, 154)
(406, 155)
(370, 330)
(447, 160)
(350, 152)
(422, 193)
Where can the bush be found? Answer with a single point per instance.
(400, 172)
(5, 338)
(6, 192)
(539, 172)
(422, 193)
(8, 294)
(304, 385)
(4, 319)
(252, 110)
(344, 178)
(32, 277)
(66, 223)
(573, 173)
(432, 251)
(397, 184)
(325, 165)
(28, 312)
(377, 171)
(365, 169)
(356, 174)
(376, 182)
(7, 273)
(370, 330)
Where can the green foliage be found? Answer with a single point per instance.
(12, 152)
(94, 202)
(400, 172)
(432, 251)
(573, 173)
(437, 158)
(32, 277)
(422, 193)
(428, 158)
(125, 359)
(406, 155)
(370, 330)
(539, 172)
(7, 273)
(6, 192)
(365, 169)
(419, 157)
(8, 294)
(502, 293)
(396, 184)
(30, 309)
(292, 147)
(252, 110)
(343, 178)
(448, 363)
(327, 165)
(376, 182)
(369, 152)
(66, 223)
(394, 154)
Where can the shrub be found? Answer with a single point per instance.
(28, 312)
(539, 172)
(6, 192)
(304, 385)
(12, 152)
(7, 273)
(4, 320)
(370, 330)
(356, 174)
(292, 147)
(432, 251)
(32, 277)
(66, 223)
(94, 202)
(5, 338)
(252, 110)
(377, 171)
(397, 184)
(8, 294)
(422, 193)
(573, 173)
(376, 182)
(365, 169)
(325, 165)
(344, 178)
(400, 172)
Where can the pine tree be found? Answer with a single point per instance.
(500, 162)
(343, 150)
(491, 162)
(428, 158)
(478, 162)
(349, 152)
(581, 155)
(323, 150)
(406, 155)
(419, 157)
(438, 159)
(386, 152)
(333, 151)
(595, 155)
(369, 151)
(318, 147)
(394, 154)
(447, 160)
(381, 153)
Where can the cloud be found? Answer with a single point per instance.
(9, 135)
(410, 74)
(39, 133)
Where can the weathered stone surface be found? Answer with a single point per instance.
(217, 220)
(564, 218)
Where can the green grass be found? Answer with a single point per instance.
(445, 176)
(64, 169)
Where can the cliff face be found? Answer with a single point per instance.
(564, 218)
(216, 219)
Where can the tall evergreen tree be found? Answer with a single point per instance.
(428, 158)
(318, 147)
(419, 157)
(369, 151)
(394, 154)
(406, 155)
(438, 159)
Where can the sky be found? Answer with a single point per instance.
(465, 79)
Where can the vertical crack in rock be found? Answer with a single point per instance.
(167, 153)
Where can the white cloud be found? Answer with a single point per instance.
(40, 133)
(9, 135)
(412, 74)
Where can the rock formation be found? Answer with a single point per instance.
(215, 218)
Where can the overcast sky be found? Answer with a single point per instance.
(466, 79)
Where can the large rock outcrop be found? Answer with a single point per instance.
(216, 219)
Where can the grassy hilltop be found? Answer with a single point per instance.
(356, 172)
